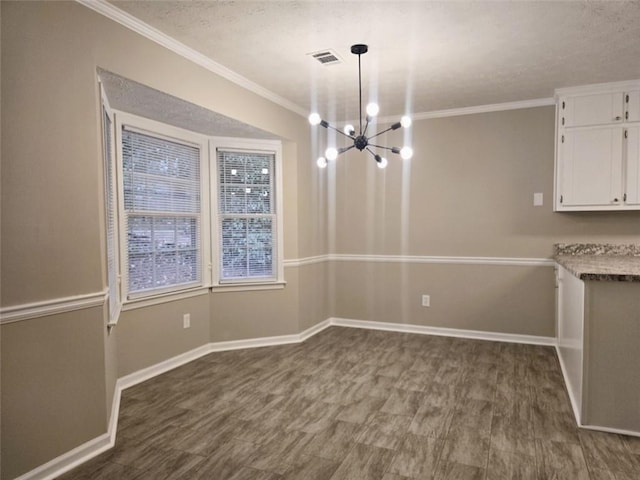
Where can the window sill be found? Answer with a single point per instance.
(247, 287)
(132, 304)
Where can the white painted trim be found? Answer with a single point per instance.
(510, 261)
(142, 302)
(248, 287)
(444, 332)
(299, 262)
(51, 307)
(69, 460)
(621, 431)
(340, 257)
(317, 328)
(132, 23)
(495, 107)
(162, 367)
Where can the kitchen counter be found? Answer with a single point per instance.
(600, 262)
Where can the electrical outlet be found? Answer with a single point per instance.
(426, 301)
(186, 320)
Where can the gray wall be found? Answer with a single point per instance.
(59, 371)
(467, 192)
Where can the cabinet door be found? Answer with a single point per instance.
(591, 166)
(632, 105)
(632, 158)
(596, 109)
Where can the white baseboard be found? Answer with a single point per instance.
(446, 332)
(162, 367)
(70, 459)
(92, 448)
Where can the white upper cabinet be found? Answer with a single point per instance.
(595, 109)
(598, 147)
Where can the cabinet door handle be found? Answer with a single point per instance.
(618, 118)
(615, 200)
(624, 197)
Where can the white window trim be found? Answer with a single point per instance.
(249, 145)
(158, 129)
(113, 315)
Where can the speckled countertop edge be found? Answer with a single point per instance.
(600, 262)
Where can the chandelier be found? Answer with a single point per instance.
(361, 141)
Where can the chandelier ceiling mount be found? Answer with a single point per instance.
(361, 141)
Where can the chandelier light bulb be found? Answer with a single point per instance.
(314, 119)
(321, 162)
(405, 121)
(331, 153)
(373, 109)
(349, 130)
(406, 153)
(382, 163)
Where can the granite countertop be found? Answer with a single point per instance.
(600, 261)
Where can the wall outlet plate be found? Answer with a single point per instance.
(186, 320)
(426, 301)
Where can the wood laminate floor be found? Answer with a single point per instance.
(352, 404)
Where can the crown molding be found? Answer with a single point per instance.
(495, 107)
(129, 21)
(132, 23)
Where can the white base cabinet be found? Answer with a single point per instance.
(598, 338)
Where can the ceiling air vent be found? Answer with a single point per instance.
(326, 57)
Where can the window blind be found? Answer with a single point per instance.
(247, 220)
(162, 204)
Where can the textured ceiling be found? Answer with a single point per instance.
(423, 56)
(133, 97)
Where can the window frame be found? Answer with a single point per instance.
(111, 214)
(161, 130)
(246, 145)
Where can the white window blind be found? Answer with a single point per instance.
(162, 204)
(247, 219)
(110, 212)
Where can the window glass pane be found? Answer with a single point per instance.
(163, 251)
(259, 245)
(160, 175)
(247, 215)
(162, 201)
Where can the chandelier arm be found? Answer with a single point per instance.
(345, 149)
(380, 133)
(385, 148)
(371, 152)
(366, 126)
